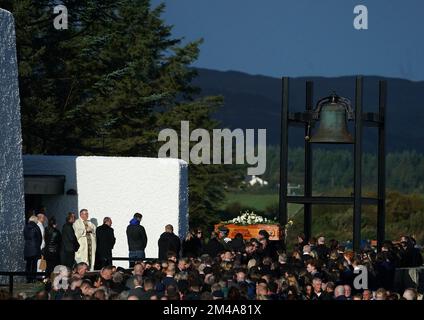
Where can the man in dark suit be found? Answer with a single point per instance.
(168, 242)
(322, 250)
(318, 293)
(339, 293)
(105, 242)
(70, 243)
(214, 246)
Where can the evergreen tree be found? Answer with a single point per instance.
(108, 84)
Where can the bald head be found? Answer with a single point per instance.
(410, 294)
(339, 291)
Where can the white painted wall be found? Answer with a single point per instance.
(11, 183)
(118, 187)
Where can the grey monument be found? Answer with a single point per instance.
(12, 217)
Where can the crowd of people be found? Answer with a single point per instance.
(221, 268)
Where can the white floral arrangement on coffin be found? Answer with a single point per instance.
(249, 218)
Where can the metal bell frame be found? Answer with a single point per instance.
(304, 119)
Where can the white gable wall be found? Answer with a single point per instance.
(118, 187)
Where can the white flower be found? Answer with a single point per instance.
(248, 218)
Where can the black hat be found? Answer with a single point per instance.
(264, 234)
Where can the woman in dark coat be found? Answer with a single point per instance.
(192, 244)
(214, 247)
(32, 248)
(53, 240)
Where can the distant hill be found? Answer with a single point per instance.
(254, 101)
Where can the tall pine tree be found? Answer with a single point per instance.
(108, 84)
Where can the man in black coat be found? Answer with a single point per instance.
(32, 248)
(137, 239)
(214, 246)
(105, 243)
(322, 250)
(70, 243)
(318, 293)
(168, 242)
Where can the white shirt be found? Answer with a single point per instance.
(40, 225)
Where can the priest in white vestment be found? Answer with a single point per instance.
(85, 231)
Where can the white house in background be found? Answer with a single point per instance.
(255, 180)
(293, 189)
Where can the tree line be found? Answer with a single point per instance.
(108, 84)
(333, 169)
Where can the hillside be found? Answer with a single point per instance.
(254, 101)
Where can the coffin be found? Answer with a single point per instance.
(252, 231)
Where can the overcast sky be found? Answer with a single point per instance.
(304, 37)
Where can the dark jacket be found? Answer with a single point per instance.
(214, 247)
(138, 292)
(192, 247)
(237, 245)
(105, 240)
(385, 274)
(323, 297)
(33, 239)
(323, 252)
(136, 236)
(169, 281)
(411, 257)
(168, 242)
(69, 240)
(269, 251)
(53, 240)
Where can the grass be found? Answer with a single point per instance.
(258, 201)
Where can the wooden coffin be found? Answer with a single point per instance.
(252, 231)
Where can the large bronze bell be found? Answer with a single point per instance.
(333, 112)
